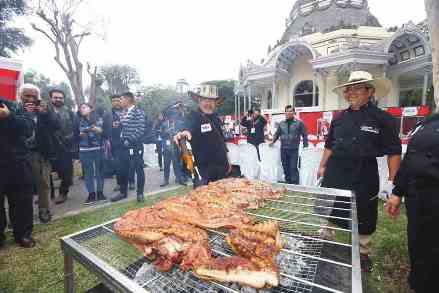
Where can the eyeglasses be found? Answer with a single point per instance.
(356, 88)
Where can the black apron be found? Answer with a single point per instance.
(353, 166)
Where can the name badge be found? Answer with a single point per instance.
(168, 142)
(370, 129)
(206, 128)
(131, 152)
(253, 130)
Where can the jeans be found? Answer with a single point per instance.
(171, 156)
(159, 148)
(290, 159)
(92, 163)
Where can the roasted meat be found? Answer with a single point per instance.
(259, 243)
(158, 236)
(238, 269)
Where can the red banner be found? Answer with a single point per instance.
(8, 83)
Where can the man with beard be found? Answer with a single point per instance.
(203, 129)
(66, 147)
(41, 145)
(116, 144)
(15, 173)
(356, 138)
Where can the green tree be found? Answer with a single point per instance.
(11, 39)
(156, 98)
(119, 78)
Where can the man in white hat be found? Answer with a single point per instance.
(203, 129)
(356, 138)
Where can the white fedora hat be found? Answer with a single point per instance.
(382, 85)
(206, 91)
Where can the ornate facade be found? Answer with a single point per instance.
(326, 39)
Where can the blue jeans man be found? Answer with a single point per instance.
(290, 164)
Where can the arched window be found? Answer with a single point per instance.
(303, 94)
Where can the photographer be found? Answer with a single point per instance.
(16, 178)
(255, 125)
(41, 145)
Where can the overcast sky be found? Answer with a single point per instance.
(194, 39)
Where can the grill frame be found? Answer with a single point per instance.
(116, 280)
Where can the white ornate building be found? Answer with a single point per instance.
(324, 40)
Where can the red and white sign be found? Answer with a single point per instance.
(10, 78)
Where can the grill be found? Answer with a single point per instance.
(307, 263)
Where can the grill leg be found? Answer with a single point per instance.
(69, 281)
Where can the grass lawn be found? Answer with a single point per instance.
(41, 269)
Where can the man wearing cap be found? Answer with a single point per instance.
(203, 129)
(356, 138)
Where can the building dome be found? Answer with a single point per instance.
(311, 16)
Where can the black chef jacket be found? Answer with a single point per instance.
(418, 181)
(356, 139)
(208, 143)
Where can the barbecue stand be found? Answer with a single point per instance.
(303, 213)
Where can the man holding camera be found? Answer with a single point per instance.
(41, 145)
(255, 125)
(15, 173)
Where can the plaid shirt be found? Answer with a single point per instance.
(133, 127)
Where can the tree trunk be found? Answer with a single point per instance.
(432, 9)
(93, 73)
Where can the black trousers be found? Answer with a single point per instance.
(210, 173)
(17, 187)
(422, 206)
(290, 161)
(63, 165)
(159, 148)
(132, 157)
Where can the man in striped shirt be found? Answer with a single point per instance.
(132, 131)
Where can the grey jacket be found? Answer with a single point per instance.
(290, 136)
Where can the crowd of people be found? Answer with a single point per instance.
(43, 136)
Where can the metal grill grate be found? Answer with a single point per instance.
(301, 215)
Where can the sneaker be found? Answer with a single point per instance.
(164, 184)
(131, 186)
(366, 263)
(91, 199)
(45, 216)
(101, 196)
(117, 188)
(118, 197)
(182, 183)
(62, 198)
(140, 197)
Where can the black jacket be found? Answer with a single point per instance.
(14, 131)
(207, 142)
(255, 137)
(47, 124)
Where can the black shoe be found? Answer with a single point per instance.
(2, 240)
(366, 263)
(118, 197)
(62, 198)
(161, 169)
(182, 183)
(91, 199)
(164, 184)
(131, 186)
(45, 216)
(140, 197)
(117, 188)
(101, 196)
(26, 242)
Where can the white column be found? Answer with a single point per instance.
(314, 89)
(424, 89)
(273, 94)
